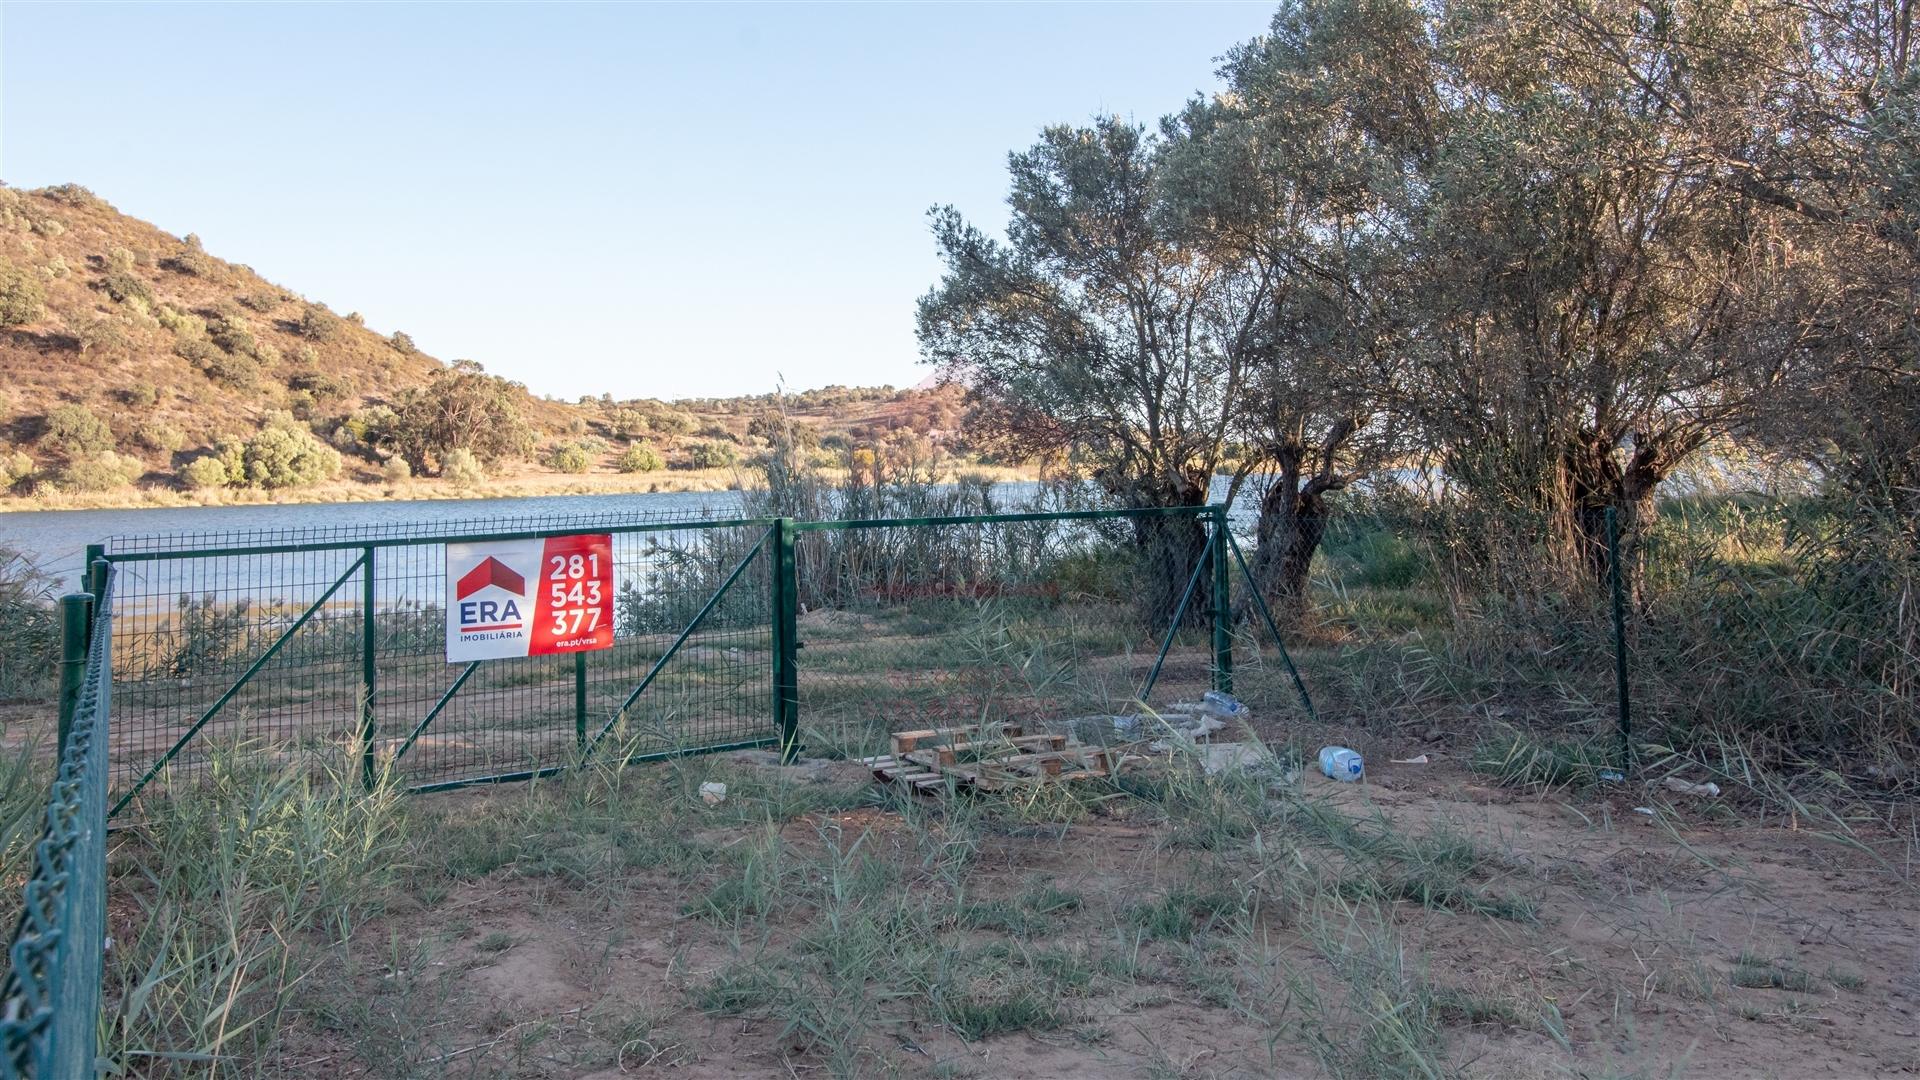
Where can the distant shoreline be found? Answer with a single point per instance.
(429, 489)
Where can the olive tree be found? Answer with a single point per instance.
(1096, 334)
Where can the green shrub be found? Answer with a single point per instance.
(55, 268)
(196, 351)
(569, 458)
(239, 371)
(183, 323)
(141, 395)
(671, 422)
(323, 386)
(403, 343)
(103, 334)
(627, 423)
(14, 467)
(206, 472)
(233, 334)
(396, 470)
(317, 324)
(20, 296)
(162, 437)
(710, 455)
(190, 261)
(287, 455)
(125, 287)
(119, 258)
(75, 431)
(639, 459)
(71, 195)
(29, 626)
(462, 468)
(263, 301)
(98, 472)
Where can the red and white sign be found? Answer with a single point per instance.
(539, 597)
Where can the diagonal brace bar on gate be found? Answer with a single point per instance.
(660, 664)
(245, 678)
(1253, 589)
(1173, 629)
(407, 743)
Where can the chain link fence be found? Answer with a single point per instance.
(51, 993)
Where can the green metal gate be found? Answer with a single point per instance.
(287, 643)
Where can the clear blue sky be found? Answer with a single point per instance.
(662, 201)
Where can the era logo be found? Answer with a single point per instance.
(477, 615)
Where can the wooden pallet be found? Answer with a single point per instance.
(986, 758)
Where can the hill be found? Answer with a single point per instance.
(137, 367)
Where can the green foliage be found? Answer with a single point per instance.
(29, 626)
(569, 458)
(21, 297)
(71, 195)
(102, 334)
(75, 431)
(402, 343)
(709, 455)
(233, 333)
(627, 423)
(207, 472)
(285, 454)
(670, 422)
(140, 395)
(263, 301)
(126, 287)
(191, 261)
(183, 323)
(462, 408)
(104, 471)
(639, 459)
(318, 324)
(162, 436)
(235, 370)
(15, 466)
(462, 468)
(325, 387)
(396, 470)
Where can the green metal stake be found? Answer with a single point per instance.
(1615, 579)
(580, 700)
(786, 640)
(369, 667)
(76, 627)
(97, 572)
(1222, 604)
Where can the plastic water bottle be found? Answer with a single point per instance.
(1341, 763)
(1225, 706)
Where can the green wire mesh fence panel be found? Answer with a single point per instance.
(500, 719)
(1037, 618)
(260, 652)
(263, 641)
(51, 995)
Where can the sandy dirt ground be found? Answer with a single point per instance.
(1647, 927)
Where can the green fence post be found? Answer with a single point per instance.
(76, 625)
(96, 572)
(1615, 579)
(580, 700)
(1222, 604)
(369, 665)
(786, 640)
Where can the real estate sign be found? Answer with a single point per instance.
(538, 597)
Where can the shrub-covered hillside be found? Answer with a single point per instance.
(134, 359)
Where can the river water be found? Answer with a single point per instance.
(56, 540)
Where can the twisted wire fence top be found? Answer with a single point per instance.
(54, 954)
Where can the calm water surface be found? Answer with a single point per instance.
(57, 539)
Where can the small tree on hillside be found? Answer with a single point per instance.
(462, 408)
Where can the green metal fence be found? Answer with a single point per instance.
(51, 994)
(729, 633)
